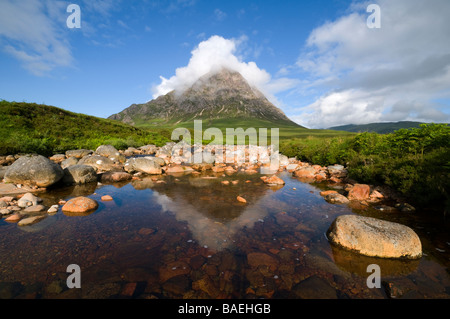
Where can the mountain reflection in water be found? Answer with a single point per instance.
(188, 236)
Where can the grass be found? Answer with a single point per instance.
(47, 130)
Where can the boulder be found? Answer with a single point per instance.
(34, 209)
(28, 200)
(78, 153)
(58, 158)
(100, 163)
(114, 177)
(335, 198)
(80, 205)
(272, 180)
(158, 160)
(337, 171)
(69, 162)
(110, 152)
(359, 192)
(142, 164)
(30, 220)
(148, 149)
(375, 237)
(35, 170)
(79, 174)
(179, 169)
(305, 172)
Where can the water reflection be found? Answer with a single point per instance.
(209, 207)
(155, 231)
(357, 264)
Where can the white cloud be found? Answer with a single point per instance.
(214, 54)
(31, 32)
(365, 74)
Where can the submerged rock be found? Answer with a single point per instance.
(34, 170)
(375, 237)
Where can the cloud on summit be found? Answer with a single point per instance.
(216, 53)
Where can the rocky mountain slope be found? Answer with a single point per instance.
(216, 95)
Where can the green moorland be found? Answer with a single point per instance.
(48, 130)
(286, 130)
(414, 162)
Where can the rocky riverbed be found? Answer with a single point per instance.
(233, 237)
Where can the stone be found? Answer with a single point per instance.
(30, 220)
(291, 167)
(178, 169)
(149, 149)
(34, 170)
(142, 164)
(305, 172)
(69, 162)
(7, 199)
(272, 180)
(359, 192)
(115, 177)
(14, 218)
(34, 209)
(241, 199)
(337, 170)
(314, 288)
(336, 198)
(28, 200)
(79, 174)
(375, 237)
(80, 205)
(58, 158)
(110, 152)
(405, 207)
(5, 211)
(256, 259)
(173, 269)
(78, 153)
(106, 198)
(100, 163)
(53, 209)
(325, 193)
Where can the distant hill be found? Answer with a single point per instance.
(44, 129)
(218, 98)
(381, 128)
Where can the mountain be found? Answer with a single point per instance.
(382, 128)
(223, 96)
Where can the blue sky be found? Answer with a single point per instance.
(316, 60)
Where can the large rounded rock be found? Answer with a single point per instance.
(142, 164)
(80, 205)
(110, 152)
(34, 170)
(79, 174)
(374, 237)
(100, 163)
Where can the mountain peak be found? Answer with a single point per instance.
(220, 94)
